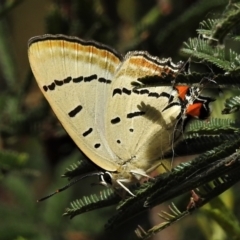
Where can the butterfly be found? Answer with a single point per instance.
(123, 130)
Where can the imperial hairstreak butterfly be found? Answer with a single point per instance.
(123, 130)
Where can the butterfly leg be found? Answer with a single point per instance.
(120, 182)
(165, 166)
(140, 174)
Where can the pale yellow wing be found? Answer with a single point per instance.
(141, 125)
(75, 77)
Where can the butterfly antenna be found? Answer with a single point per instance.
(69, 185)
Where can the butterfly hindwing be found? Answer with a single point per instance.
(141, 122)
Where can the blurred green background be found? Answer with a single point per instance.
(35, 150)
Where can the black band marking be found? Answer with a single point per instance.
(117, 91)
(135, 114)
(87, 132)
(58, 82)
(162, 94)
(97, 145)
(104, 80)
(171, 105)
(90, 78)
(75, 111)
(170, 98)
(144, 91)
(78, 79)
(51, 86)
(167, 95)
(45, 88)
(67, 80)
(153, 94)
(115, 120)
(136, 91)
(126, 91)
(55, 83)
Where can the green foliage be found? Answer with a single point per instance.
(107, 198)
(32, 140)
(12, 160)
(232, 105)
(76, 169)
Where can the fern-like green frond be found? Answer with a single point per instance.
(106, 198)
(179, 181)
(201, 49)
(190, 79)
(77, 169)
(206, 28)
(200, 196)
(196, 144)
(225, 25)
(232, 105)
(174, 216)
(207, 160)
(213, 126)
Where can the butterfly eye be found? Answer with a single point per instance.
(106, 178)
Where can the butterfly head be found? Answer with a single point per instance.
(122, 179)
(106, 179)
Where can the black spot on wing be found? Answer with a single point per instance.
(75, 111)
(58, 82)
(118, 141)
(144, 91)
(67, 80)
(126, 91)
(162, 94)
(115, 120)
(131, 130)
(97, 145)
(167, 95)
(117, 91)
(153, 94)
(90, 78)
(104, 80)
(136, 91)
(51, 87)
(135, 114)
(87, 132)
(78, 79)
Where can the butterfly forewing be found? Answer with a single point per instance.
(141, 123)
(75, 76)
